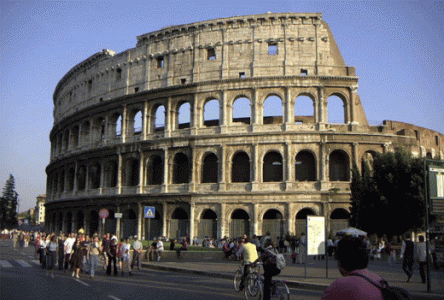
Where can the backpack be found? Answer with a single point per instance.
(388, 292)
(280, 259)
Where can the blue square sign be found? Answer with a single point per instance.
(149, 212)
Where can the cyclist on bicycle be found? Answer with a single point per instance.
(268, 259)
(250, 255)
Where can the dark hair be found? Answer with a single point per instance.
(247, 240)
(352, 253)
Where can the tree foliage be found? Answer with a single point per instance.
(8, 204)
(391, 200)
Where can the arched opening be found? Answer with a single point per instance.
(129, 223)
(336, 110)
(210, 169)
(272, 167)
(85, 133)
(93, 222)
(132, 172)
(155, 170)
(305, 166)
(60, 222)
(273, 222)
(154, 226)
(183, 120)
(115, 125)
(179, 224)
(273, 110)
(339, 166)
(69, 228)
(301, 220)
(94, 176)
(211, 113)
(81, 178)
(239, 224)
(159, 119)
(80, 218)
(240, 168)
(111, 222)
(304, 110)
(71, 174)
(75, 137)
(111, 174)
(429, 155)
(137, 122)
(181, 169)
(339, 219)
(208, 224)
(62, 181)
(99, 129)
(65, 144)
(242, 111)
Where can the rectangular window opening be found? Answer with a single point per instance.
(417, 134)
(160, 63)
(136, 90)
(437, 140)
(183, 81)
(304, 72)
(272, 49)
(118, 74)
(241, 74)
(211, 54)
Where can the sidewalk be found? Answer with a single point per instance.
(315, 278)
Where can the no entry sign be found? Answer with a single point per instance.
(104, 213)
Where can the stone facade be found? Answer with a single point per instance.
(120, 142)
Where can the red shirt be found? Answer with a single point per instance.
(354, 287)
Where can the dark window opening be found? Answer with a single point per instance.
(132, 172)
(240, 170)
(305, 167)
(210, 169)
(156, 169)
(183, 81)
(272, 167)
(417, 134)
(136, 90)
(211, 54)
(89, 85)
(272, 49)
(101, 100)
(118, 74)
(339, 166)
(160, 62)
(304, 72)
(437, 140)
(181, 169)
(241, 74)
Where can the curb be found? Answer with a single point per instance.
(290, 284)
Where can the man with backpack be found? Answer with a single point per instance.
(358, 282)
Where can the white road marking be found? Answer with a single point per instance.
(35, 261)
(5, 264)
(84, 283)
(113, 297)
(23, 263)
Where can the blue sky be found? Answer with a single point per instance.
(397, 49)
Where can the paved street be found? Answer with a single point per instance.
(22, 278)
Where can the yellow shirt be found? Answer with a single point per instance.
(250, 253)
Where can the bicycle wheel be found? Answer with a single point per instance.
(281, 291)
(237, 280)
(253, 287)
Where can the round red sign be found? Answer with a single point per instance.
(104, 213)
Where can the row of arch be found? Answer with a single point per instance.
(131, 123)
(208, 221)
(106, 174)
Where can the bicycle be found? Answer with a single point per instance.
(254, 288)
(238, 275)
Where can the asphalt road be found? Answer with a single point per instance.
(22, 278)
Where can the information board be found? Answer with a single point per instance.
(315, 235)
(436, 188)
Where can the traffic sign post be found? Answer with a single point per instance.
(103, 213)
(149, 213)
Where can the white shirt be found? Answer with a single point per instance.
(69, 242)
(420, 251)
(160, 245)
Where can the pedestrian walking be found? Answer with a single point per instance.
(76, 258)
(112, 256)
(302, 249)
(93, 252)
(137, 253)
(61, 250)
(68, 244)
(51, 256)
(126, 256)
(407, 255)
(421, 256)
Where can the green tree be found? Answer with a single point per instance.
(9, 202)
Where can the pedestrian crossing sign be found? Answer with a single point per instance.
(149, 212)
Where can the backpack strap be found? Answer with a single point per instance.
(383, 282)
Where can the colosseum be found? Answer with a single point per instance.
(222, 126)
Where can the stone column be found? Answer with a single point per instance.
(119, 172)
(355, 154)
(118, 223)
(145, 121)
(224, 54)
(168, 114)
(124, 123)
(322, 163)
(141, 172)
(139, 219)
(288, 111)
(166, 171)
(222, 168)
(165, 219)
(64, 217)
(194, 116)
(289, 166)
(223, 112)
(257, 110)
(222, 221)
(102, 177)
(255, 219)
(255, 173)
(321, 113)
(192, 209)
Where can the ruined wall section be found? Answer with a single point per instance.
(268, 45)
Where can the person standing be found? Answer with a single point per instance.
(42, 249)
(407, 255)
(112, 256)
(61, 250)
(421, 256)
(93, 253)
(85, 263)
(126, 255)
(137, 253)
(69, 243)
(76, 258)
(51, 255)
(352, 259)
(268, 258)
(105, 247)
(302, 248)
(159, 249)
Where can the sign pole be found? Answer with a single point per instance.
(427, 224)
(326, 250)
(149, 230)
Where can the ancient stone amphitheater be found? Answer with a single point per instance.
(222, 126)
